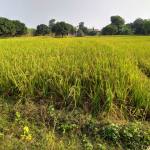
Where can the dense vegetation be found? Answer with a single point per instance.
(117, 27)
(12, 27)
(75, 93)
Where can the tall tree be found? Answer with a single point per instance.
(138, 26)
(51, 24)
(118, 22)
(42, 29)
(7, 28)
(83, 28)
(20, 27)
(147, 27)
(62, 28)
(81, 25)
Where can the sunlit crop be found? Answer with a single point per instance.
(98, 74)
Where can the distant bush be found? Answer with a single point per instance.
(93, 32)
(126, 30)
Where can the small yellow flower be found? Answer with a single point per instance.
(26, 134)
(29, 138)
(26, 129)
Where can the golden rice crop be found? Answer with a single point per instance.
(97, 72)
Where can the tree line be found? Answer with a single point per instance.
(116, 27)
(12, 27)
(62, 29)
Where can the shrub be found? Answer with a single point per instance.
(111, 133)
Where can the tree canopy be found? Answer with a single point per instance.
(20, 28)
(118, 26)
(138, 26)
(63, 28)
(117, 20)
(110, 30)
(51, 24)
(42, 29)
(146, 27)
(12, 27)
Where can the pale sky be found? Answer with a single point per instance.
(95, 13)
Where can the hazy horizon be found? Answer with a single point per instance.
(95, 13)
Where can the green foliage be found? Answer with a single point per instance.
(111, 133)
(17, 117)
(20, 28)
(72, 29)
(134, 137)
(101, 147)
(83, 28)
(117, 20)
(42, 29)
(7, 27)
(66, 127)
(110, 30)
(62, 28)
(126, 30)
(131, 136)
(51, 24)
(89, 133)
(92, 32)
(138, 26)
(118, 26)
(147, 27)
(12, 27)
(86, 143)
